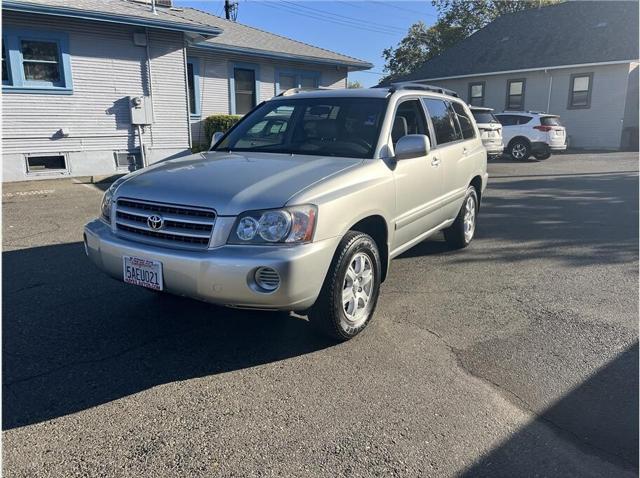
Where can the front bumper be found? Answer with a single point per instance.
(223, 275)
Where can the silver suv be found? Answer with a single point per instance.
(301, 205)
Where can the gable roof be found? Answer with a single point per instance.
(570, 33)
(218, 33)
(114, 11)
(241, 38)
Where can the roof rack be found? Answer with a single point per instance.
(295, 91)
(531, 112)
(412, 85)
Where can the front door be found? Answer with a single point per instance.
(418, 180)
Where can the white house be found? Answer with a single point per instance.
(72, 69)
(576, 59)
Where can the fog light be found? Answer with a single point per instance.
(267, 278)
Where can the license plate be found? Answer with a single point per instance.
(142, 272)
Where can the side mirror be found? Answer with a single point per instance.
(412, 146)
(216, 137)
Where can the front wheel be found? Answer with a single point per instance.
(350, 291)
(461, 232)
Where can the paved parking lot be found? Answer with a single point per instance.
(515, 357)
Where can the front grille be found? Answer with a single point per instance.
(181, 225)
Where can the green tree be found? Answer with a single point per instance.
(457, 19)
(354, 84)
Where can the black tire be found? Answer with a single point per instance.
(542, 156)
(455, 234)
(328, 314)
(519, 149)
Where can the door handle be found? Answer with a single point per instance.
(435, 162)
(465, 151)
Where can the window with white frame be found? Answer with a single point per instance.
(35, 60)
(476, 93)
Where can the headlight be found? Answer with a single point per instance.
(292, 225)
(105, 206)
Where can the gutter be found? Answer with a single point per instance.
(18, 6)
(523, 70)
(351, 65)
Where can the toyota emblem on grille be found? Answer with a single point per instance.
(155, 222)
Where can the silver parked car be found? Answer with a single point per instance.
(301, 205)
(490, 130)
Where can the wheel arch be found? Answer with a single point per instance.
(523, 138)
(476, 182)
(376, 226)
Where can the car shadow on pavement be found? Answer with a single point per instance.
(600, 415)
(575, 218)
(74, 338)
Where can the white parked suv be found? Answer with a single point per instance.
(532, 133)
(301, 205)
(490, 130)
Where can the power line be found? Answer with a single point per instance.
(288, 9)
(344, 17)
(398, 7)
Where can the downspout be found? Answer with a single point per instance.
(550, 85)
(186, 91)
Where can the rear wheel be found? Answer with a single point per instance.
(519, 149)
(350, 291)
(460, 234)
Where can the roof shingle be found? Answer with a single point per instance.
(570, 33)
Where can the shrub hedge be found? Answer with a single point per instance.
(216, 123)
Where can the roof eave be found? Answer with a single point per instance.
(17, 6)
(351, 65)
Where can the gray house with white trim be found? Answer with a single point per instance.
(72, 69)
(576, 59)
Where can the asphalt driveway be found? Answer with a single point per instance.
(515, 357)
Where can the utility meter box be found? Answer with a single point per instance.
(141, 110)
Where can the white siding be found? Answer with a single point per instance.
(597, 127)
(106, 67)
(214, 82)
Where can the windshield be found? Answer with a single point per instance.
(484, 117)
(317, 126)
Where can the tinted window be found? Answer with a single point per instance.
(510, 120)
(310, 126)
(484, 117)
(409, 119)
(550, 121)
(463, 119)
(441, 117)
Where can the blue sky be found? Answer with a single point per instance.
(360, 28)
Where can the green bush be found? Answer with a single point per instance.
(215, 123)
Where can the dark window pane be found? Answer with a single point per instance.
(442, 120)
(5, 72)
(245, 85)
(245, 80)
(476, 101)
(43, 163)
(580, 98)
(191, 82)
(464, 120)
(515, 102)
(287, 82)
(41, 72)
(484, 117)
(244, 103)
(39, 50)
(308, 82)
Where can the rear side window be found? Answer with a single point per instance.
(550, 121)
(511, 120)
(463, 119)
(443, 122)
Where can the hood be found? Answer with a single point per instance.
(231, 183)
